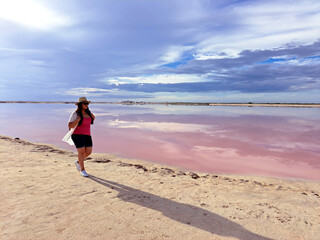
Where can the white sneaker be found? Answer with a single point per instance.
(77, 165)
(84, 173)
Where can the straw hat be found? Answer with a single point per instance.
(82, 99)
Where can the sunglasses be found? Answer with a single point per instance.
(85, 103)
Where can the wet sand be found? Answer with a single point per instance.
(44, 197)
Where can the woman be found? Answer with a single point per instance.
(81, 119)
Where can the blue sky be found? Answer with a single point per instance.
(160, 50)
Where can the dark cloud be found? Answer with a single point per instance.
(250, 72)
(248, 58)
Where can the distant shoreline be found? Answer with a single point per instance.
(250, 104)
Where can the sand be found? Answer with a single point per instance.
(43, 196)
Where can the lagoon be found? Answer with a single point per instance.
(262, 141)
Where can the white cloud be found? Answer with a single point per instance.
(301, 62)
(263, 25)
(208, 53)
(31, 14)
(231, 46)
(20, 51)
(100, 94)
(37, 63)
(88, 91)
(157, 78)
(173, 54)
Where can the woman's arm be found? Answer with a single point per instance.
(93, 116)
(74, 123)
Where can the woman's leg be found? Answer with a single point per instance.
(81, 157)
(83, 153)
(88, 151)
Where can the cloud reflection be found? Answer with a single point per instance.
(254, 144)
(158, 126)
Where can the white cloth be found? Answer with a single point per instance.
(67, 138)
(73, 116)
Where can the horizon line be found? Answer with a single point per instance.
(172, 103)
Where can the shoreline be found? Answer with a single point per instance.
(294, 105)
(43, 196)
(140, 163)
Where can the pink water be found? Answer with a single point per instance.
(280, 142)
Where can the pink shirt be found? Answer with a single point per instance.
(84, 128)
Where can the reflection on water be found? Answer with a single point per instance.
(281, 142)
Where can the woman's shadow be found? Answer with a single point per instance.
(181, 212)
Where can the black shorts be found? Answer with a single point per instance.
(81, 140)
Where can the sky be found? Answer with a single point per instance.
(160, 50)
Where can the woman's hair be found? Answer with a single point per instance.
(79, 112)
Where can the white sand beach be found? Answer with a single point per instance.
(43, 196)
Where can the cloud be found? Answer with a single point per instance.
(174, 54)
(101, 94)
(261, 25)
(32, 14)
(136, 48)
(88, 91)
(156, 79)
(289, 68)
